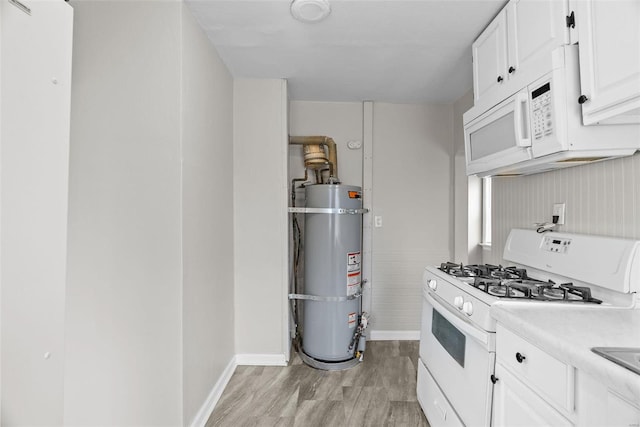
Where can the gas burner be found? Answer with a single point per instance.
(487, 271)
(504, 291)
(506, 273)
(511, 282)
(553, 293)
(460, 270)
(567, 292)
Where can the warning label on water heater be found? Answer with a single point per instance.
(353, 273)
(352, 320)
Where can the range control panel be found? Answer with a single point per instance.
(556, 244)
(542, 121)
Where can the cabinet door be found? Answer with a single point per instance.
(598, 406)
(609, 44)
(489, 57)
(515, 404)
(535, 28)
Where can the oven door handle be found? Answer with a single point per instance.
(463, 325)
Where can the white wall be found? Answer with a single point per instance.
(207, 217)
(149, 326)
(602, 199)
(412, 191)
(123, 328)
(34, 133)
(260, 219)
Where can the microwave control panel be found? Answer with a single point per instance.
(541, 121)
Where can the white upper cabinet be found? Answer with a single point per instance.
(490, 57)
(535, 28)
(609, 46)
(516, 47)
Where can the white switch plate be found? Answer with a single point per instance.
(559, 211)
(377, 221)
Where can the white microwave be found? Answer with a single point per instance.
(540, 127)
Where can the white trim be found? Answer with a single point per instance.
(367, 202)
(284, 218)
(486, 211)
(209, 404)
(261, 359)
(394, 335)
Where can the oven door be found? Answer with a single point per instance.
(460, 357)
(500, 137)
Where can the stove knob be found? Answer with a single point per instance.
(458, 302)
(467, 308)
(432, 284)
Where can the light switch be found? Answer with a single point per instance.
(377, 221)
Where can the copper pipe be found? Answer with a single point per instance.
(293, 186)
(321, 140)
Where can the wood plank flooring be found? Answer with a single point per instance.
(380, 391)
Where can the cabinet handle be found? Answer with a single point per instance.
(582, 99)
(499, 79)
(511, 70)
(520, 357)
(571, 20)
(494, 379)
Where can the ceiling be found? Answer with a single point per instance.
(415, 51)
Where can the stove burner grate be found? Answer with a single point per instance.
(512, 282)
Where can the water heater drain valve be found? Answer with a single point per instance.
(359, 337)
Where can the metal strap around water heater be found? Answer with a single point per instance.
(339, 211)
(325, 299)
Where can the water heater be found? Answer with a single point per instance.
(327, 310)
(332, 271)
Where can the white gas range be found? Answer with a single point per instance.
(457, 342)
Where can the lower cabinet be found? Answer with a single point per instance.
(515, 404)
(532, 387)
(599, 406)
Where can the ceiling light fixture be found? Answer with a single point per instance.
(310, 10)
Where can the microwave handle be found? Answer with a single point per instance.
(521, 119)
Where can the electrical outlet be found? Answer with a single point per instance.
(558, 213)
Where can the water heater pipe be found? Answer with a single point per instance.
(325, 141)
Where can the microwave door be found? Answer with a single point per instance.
(500, 137)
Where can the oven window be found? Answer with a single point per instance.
(451, 338)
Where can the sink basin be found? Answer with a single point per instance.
(623, 356)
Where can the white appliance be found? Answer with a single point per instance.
(457, 339)
(540, 127)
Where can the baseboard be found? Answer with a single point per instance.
(261, 359)
(206, 409)
(394, 335)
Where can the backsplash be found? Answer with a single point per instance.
(601, 199)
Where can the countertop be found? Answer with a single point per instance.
(568, 332)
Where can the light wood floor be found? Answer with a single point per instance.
(380, 391)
